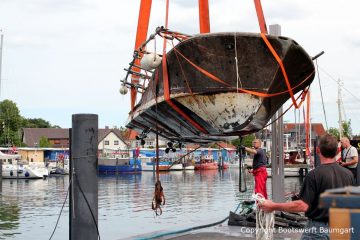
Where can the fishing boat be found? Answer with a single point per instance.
(206, 164)
(113, 165)
(215, 85)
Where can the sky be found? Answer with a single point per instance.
(64, 57)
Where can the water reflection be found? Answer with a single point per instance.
(29, 209)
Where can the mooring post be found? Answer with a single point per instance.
(83, 177)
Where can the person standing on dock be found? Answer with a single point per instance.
(328, 175)
(258, 167)
(349, 156)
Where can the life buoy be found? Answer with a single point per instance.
(27, 174)
(11, 173)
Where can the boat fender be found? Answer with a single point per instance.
(150, 61)
(123, 90)
(27, 174)
(11, 173)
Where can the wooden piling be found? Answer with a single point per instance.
(83, 176)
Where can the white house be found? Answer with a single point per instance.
(110, 140)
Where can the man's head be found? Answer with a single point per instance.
(345, 143)
(256, 143)
(328, 146)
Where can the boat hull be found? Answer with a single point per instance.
(118, 165)
(201, 109)
(163, 166)
(10, 171)
(206, 166)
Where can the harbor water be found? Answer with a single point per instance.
(29, 209)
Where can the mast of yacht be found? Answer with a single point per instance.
(339, 109)
(1, 50)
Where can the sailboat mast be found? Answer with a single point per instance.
(1, 50)
(339, 109)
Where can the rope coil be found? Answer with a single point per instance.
(265, 222)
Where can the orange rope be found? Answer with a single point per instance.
(276, 56)
(166, 81)
(259, 94)
(302, 95)
(307, 125)
(200, 104)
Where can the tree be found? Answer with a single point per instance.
(10, 121)
(246, 141)
(35, 123)
(334, 131)
(44, 142)
(347, 131)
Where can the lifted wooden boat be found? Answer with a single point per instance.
(220, 85)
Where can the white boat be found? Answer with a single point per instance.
(288, 172)
(14, 167)
(59, 167)
(163, 166)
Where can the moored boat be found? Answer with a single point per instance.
(14, 167)
(113, 165)
(163, 166)
(206, 165)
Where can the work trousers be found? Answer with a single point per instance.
(260, 176)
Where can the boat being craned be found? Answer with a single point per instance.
(217, 85)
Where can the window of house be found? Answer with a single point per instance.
(149, 143)
(106, 142)
(116, 142)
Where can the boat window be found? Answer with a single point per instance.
(10, 161)
(106, 142)
(116, 142)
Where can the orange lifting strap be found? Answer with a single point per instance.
(259, 94)
(204, 18)
(307, 124)
(141, 34)
(260, 15)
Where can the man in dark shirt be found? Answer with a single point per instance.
(259, 167)
(328, 175)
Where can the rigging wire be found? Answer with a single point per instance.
(322, 98)
(237, 66)
(332, 78)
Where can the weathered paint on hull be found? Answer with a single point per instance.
(221, 109)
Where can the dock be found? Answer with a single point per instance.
(224, 231)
